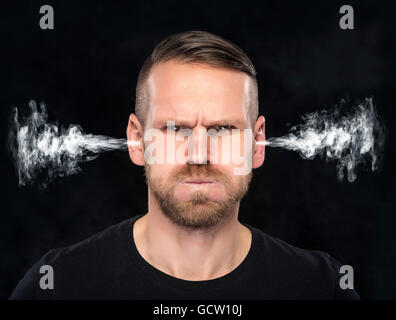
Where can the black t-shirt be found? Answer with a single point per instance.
(109, 266)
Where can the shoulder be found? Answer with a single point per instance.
(76, 262)
(311, 273)
(96, 246)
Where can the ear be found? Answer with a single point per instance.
(258, 149)
(135, 140)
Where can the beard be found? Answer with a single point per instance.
(199, 212)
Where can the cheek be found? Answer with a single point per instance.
(227, 173)
(164, 175)
(231, 150)
(160, 173)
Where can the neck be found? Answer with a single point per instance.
(191, 254)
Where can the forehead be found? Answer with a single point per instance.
(182, 91)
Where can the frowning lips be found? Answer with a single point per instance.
(199, 180)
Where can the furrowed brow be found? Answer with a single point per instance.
(164, 122)
(225, 122)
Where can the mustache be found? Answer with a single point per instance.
(199, 170)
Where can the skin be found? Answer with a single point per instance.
(200, 96)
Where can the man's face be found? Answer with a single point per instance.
(198, 193)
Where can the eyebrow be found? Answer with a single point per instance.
(227, 122)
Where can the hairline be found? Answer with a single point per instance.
(252, 91)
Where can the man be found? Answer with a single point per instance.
(195, 86)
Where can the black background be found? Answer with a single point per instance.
(86, 71)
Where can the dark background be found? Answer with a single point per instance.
(86, 71)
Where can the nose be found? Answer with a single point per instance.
(198, 147)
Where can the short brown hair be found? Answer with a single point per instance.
(196, 47)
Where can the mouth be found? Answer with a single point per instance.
(198, 181)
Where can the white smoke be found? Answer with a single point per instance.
(355, 138)
(45, 150)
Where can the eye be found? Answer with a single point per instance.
(219, 130)
(222, 127)
(173, 128)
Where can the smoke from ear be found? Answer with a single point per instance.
(44, 151)
(350, 139)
